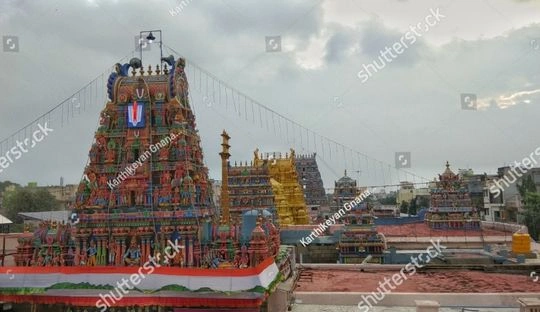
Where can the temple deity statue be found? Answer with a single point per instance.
(132, 256)
(91, 253)
(112, 252)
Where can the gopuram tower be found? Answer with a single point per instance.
(144, 212)
(146, 181)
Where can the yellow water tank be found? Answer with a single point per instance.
(521, 243)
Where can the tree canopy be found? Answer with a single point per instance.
(531, 213)
(28, 199)
(5, 184)
(388, 200)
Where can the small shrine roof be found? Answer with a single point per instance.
(256, 212)
(345, 179)
(59, 215)
(4, 220)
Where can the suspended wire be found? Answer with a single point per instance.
(304, 145)
(62, 108)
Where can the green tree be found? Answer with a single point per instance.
(526, 186)
(412, 207)
(5, 184)
(532, 213)
(28, 200)
(388, 200)
(423, 202)
(404, 208)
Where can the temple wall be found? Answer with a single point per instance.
(315, 253)
(222, 280)
(505, 227)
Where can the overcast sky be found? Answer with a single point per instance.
(489, 48)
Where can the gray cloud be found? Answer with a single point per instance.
(376, 37)
(410, 105)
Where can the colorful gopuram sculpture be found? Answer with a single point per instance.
(146, 185)
(451, 205)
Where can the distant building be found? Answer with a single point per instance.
(405, 193)
(511, 197)
(494, 207)
(491, 208)
(65, 195)
(386, 211)
(216, 193)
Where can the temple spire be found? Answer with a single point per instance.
(225, 213)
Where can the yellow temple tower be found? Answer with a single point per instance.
(288, 194)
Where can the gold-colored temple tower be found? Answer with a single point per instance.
(288, 194)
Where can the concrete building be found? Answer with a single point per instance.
(507, 181)
(216, 193)
(405, 192)
(385, 211)
(64, 194)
